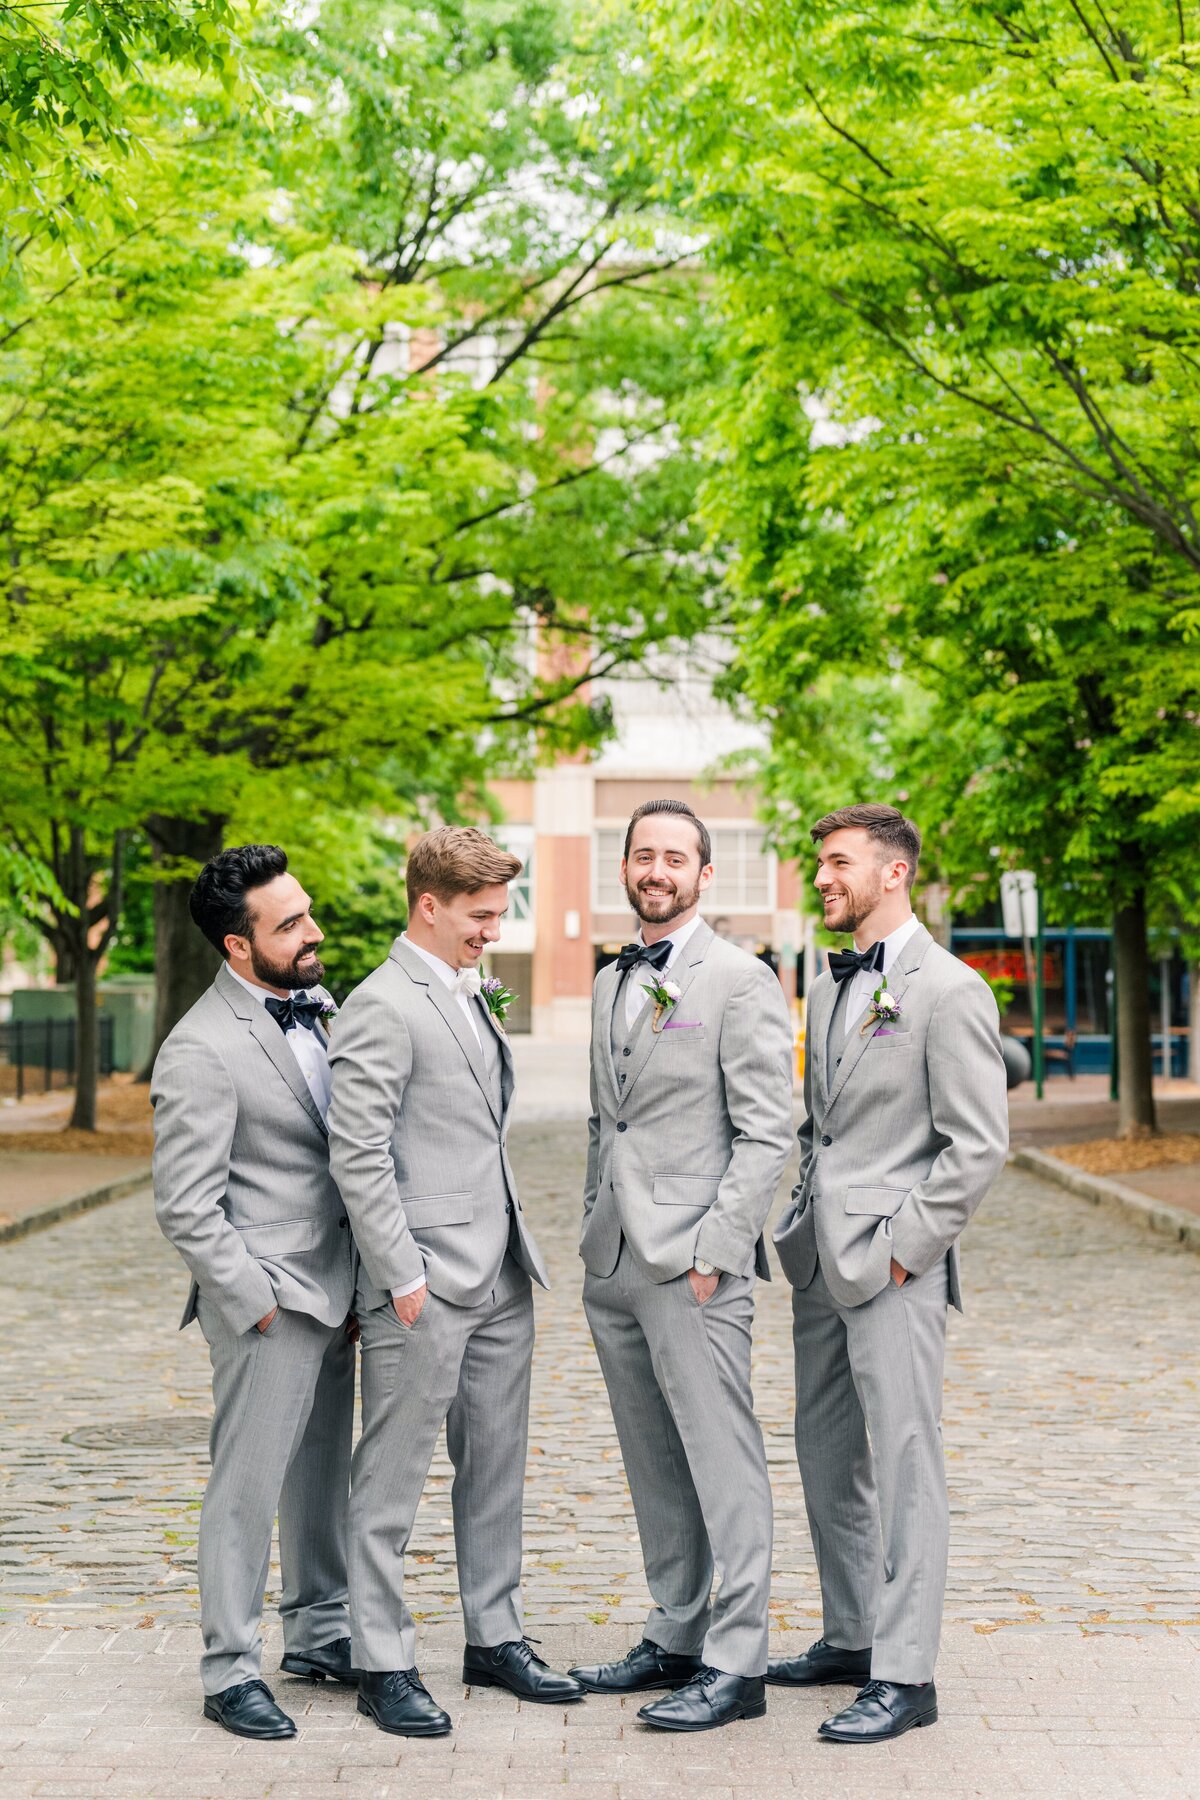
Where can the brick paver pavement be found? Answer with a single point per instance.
(1071, 1661)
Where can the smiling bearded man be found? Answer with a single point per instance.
(690, 1127)
(422, 1088)
(906, 1128)
(242, 1189)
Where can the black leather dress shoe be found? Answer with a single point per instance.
(710, 1699)
(519, 1669)
(884, 1709)
(646, 1667)
(329, 1663)
(399, 1702)
(821, 1665)
(249, 1711)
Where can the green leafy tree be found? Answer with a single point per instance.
(960, 243)
(275, 552)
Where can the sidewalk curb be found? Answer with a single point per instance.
(55, 1210)
(1167, 1221)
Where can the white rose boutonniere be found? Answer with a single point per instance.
(885, 1008)
(664, 995)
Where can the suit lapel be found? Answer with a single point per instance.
(266, 1033)
(507, 1068)
(908, 962)
(692, 956)
(447, 1004)
(606, 1002)
(820, 1016)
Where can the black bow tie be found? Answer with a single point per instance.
(848, 962)
(657, 955)
(291, 1011)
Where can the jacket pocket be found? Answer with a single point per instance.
(685, 1190)
(282, 1238)
(427, 1212)
(887, 1039)
(879, 1202)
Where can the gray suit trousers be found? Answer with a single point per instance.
(678, 1379)
(468, 1366)
(283, 1416)
(869, 1445)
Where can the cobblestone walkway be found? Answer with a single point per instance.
(1072, 1651)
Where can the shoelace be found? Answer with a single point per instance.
(706, 1677)
(246, 1687)
(873, 1690)
(520, 1647)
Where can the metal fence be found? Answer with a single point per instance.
(40, 1053)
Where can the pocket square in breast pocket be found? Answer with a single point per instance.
(684, 1025)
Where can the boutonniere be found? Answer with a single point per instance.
(497, 998)
(328, 1013)
(664, 995)
(885, 1008)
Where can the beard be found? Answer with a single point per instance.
(858, 904)
(658, 909)
(287, 975)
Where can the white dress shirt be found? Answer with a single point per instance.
(641, 974)
(448, 978)
(864, 981)
(305, 1045)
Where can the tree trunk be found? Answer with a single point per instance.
(87, 1040)
(1194, 1021)
(184, 961)
(1135, 1107)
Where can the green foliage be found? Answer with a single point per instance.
(68, 73)
(348, 459)
(956, 250)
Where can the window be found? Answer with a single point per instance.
(744, 879)
(518, 840)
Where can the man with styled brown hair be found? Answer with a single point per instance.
(906, 1128)
(422, 1088)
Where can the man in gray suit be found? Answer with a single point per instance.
(422, 1090)
(690, 1128)
(242, 1189)
(906, 1128)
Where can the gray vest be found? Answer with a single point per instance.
(621, 1038)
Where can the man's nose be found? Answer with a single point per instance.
(491, 932)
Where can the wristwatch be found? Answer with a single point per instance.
(703, 1268)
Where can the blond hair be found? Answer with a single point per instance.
(456, 859)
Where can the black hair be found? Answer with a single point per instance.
(218, 901)
(680, 809)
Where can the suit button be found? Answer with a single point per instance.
(626, 1053)
(838, 1063)
(620, 1124)
(342, 1224)
(826, 1140)
(508, 1206)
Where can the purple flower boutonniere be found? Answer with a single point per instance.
(664, 995)
(497, 998)
(885, 1008)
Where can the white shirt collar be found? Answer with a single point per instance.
(261, 994)
(441, 969)
(678, 937)
(895, 941)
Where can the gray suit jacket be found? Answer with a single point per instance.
(241, 1167)
(900, 1148)
(684, 1159)
(418, 1139)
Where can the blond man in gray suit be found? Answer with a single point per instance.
(242, 1189)
(422, 1093)
(691, 1124)
(906, 1129)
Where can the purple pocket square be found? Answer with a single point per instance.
(884, 1032)
(684, 1025)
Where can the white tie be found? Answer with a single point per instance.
(468, 982)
